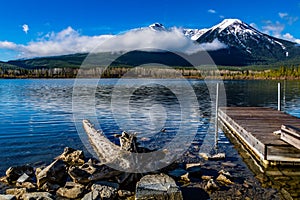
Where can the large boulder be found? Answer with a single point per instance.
(72, 156)
(71, 190)
(55, 173)
(158, 186)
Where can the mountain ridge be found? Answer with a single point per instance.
(245, 46)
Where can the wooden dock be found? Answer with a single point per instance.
(254, 127)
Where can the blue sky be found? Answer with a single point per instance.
(29, 27)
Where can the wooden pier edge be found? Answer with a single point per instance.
(230, 125)
(254, 128)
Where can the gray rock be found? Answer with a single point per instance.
(7, 197)
(37, 196)
(93, 195)
(72, 156)
(158, 186)
(106, 192)
(54, 173)
(71, 190)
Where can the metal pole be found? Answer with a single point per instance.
(279, 103)
(216, 122)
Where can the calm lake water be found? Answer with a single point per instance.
(37, 122)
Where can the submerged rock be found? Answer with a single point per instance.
(158, 186)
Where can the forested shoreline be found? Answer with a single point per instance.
(290, 73)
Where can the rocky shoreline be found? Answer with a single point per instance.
(73, 176)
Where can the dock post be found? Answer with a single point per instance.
(216, 120)
(279, 101)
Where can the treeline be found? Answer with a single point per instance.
(153, 72)
(283, 72)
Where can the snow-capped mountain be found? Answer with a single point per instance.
(194, 34)
(245, 44)
(243, 37)
(157, 27)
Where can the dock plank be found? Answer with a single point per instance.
(255, 126)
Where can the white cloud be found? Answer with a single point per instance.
(282, 15)
(172, 40)
(254, 25)
(69, 41)
(212, 11)
(290, 19)
(274, 29)
(214, 45)
(7, 45)
(290, 37)
(25, 28)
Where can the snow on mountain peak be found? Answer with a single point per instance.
(226, 23)
(157, 27)
(194, 34)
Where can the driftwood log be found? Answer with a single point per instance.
(128, 157)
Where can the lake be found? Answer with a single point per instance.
(38, 119)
